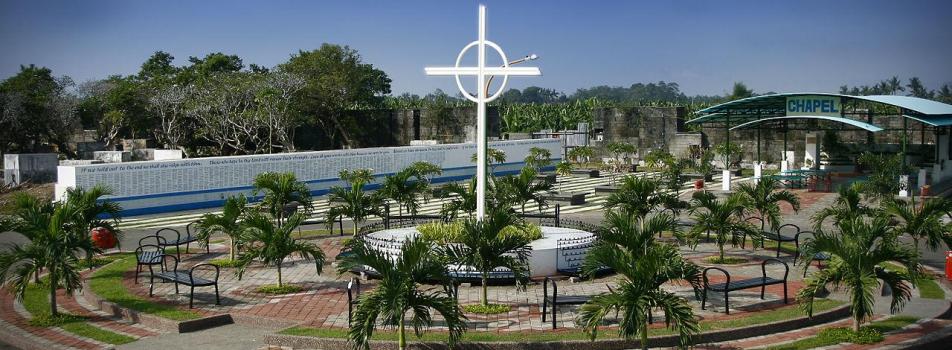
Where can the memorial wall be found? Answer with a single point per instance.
(163, 186)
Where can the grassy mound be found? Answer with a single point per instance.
(276, 290)
(490, 309)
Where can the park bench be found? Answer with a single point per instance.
(570, 255)
(572, 198)
(147, 255)
(780, 239)
(555, 300)
(730, 286)
(606, 189)
(353, 292)
(497, 276)
(184, 277)
(586, 172)
(163, 242)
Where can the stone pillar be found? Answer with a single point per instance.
(922, 178)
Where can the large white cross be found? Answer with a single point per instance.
(481, 72)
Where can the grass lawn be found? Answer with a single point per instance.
(37, 302)
(833, 336)
(107, 284)
(928, 287)
(314, 233)
(386, 334)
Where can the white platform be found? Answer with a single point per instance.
(542, 262)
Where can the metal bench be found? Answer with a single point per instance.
(730, 286)
(587, 172)
(147, 255)
(780, 238)
(555, 300)
(353, 292)
(499, 275)
(163, 242)
(184, 277)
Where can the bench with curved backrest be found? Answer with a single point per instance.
(555, 300)
(818, 257)
(193, 232)
(177, 241)
(353, 292)
(757, 222)
(729, 286)
(147, 255)
(780, 238)
(169, 272)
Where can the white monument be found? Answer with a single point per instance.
(811, 154)
(481, 72)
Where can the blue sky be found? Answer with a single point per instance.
(702, 45)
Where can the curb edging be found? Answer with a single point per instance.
(307, 342)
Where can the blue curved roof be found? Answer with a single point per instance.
(927, 111)
(856, 123)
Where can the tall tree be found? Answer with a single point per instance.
(337, 80)
(740, 91)
(916, 89)
(36, 109)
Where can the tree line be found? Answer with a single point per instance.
(213, 105)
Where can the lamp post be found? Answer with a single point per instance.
(511, 63)
(482, 96)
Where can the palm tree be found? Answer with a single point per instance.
(856, 253)
(627, 246)
(96, 211)
(848, 205)
(56, 233)
(483, 247)
(353, 202)
(281, 190)
(563, 169)
(397, 292)
(764, 198)
(493, 157)
(409, 184)
(720, 217)
(538, 158)
(523, 188)
(638, 196)
(922, 221)
(226, 223)
(463, 198)
(272, 243)
(581, 154)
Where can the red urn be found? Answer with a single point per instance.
(699, 184)
(103, 238)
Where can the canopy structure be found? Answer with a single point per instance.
(837, 109)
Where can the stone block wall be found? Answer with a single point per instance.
(645, 127)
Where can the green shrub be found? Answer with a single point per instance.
(837, 335)
(489, 309)
(450, 232)
(224, 262)
(275, 289)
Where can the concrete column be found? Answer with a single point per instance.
(812, 151)
(758, 171)
(726, 181)
(922, 178)
(904, 186)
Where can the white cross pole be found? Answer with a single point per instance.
(481, 71)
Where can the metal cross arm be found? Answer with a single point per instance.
(522, 71)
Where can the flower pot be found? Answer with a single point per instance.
(699, 184)
(103, 238)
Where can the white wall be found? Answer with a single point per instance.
(172, 185)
